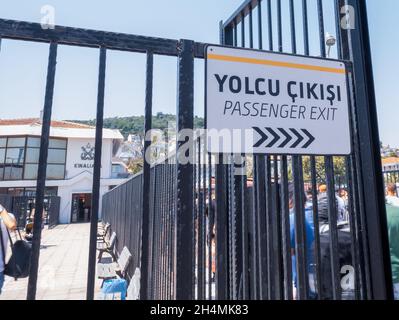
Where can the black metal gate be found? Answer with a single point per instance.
(22, 206)
(267, 227)
(198, 230)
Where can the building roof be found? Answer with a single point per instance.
(38, 122)
(390, 160)
(62, 129)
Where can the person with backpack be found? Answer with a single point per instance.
(7, 221)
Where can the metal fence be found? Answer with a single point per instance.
(208, 233)
(122, 208)
(268, 274)
(22, 206)
(248, 236)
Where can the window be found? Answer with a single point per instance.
(55, 172)
(55, 160)
(14, 162)
(16, 142)
(33, 142)
(58, 143)
(19, 158)
(56, 156)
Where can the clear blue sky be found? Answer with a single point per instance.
(23, 65)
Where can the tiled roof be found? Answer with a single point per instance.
(390, 160)
(37, 121)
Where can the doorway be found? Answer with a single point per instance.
(81, 207)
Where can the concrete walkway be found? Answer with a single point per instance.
(63, 266)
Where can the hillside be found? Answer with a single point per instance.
(135, 124)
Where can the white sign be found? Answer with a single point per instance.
(267, 103)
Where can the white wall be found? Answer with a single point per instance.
(74, 158)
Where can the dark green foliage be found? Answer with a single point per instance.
(135, 124)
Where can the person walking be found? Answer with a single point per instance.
(392, 195)
(7, 221)
(393, 232)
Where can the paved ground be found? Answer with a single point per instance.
(63, 266)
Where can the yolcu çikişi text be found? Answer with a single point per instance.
(268, 87)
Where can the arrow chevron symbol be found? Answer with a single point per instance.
(299, 140)
(297, 135)
(263, 138)
(275, 136)
(288, 138)
(311, 139)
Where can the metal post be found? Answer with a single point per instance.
(145, 235)
(41, 174)
(184, 212)
(96, 176)
(358, 50)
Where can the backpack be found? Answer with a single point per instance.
(344, 255)
(19, 264)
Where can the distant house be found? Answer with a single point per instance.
(390, 164)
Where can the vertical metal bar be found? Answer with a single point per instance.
(286, 238)
(222, 291)
(315, 207)
(323, 51)
(242, 30)
(270, 22)
(300, 231)
(305, 27)
(261, 227)
(184, 213)
(269, 231)
(96, 175)
(203, 216)
(300, 220)
(332, 218)
(329, 168)
(277, 234)
(210, 226)
(350, 178)
(279, 26)
(255, 277)
(222, 206)
(260, 26)
(245, 228)
(371, 170)
(251, 28)
(252, 223)
(313, 171)
(200, 221)
(146, 194)
(41, 174)
(235, 35)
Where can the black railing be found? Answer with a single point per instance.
(122, 208)
(198, 230)
(22, 206)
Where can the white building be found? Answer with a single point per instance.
(69, 166)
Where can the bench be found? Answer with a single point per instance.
(107, 271)
(102, 232)
(107, 247)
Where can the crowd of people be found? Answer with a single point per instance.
(344, 238)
